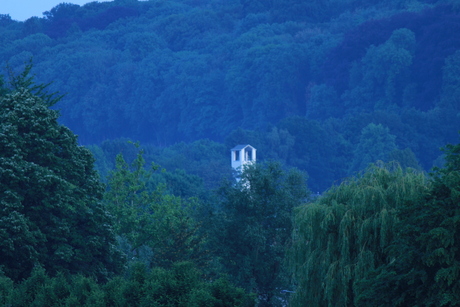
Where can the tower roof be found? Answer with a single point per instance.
(240, 147)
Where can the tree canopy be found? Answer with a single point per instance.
(253, 227)
(62, 243)
(164, 72)
(153, 226)
(345, 234)
(327, 87)
(424, 270)
(52, 215)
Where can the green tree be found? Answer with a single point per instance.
(321, 101)
(405, 158)
(181, 286)
(50, 196)
(375, 143)
(345, 234)
(254, 226)
(153, 226)
(425, 266)
(377, 81)
(317, 149)
(451, 82)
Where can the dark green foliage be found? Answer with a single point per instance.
(375, 143)
(424, 270)
(180, 286)
(405, 158)
(254, 226)
(153, 226)
(50, 196)
(317, 149)
(451, 83)
(325, 86)
(189, 168)
(203, 158)
(345, 234)
(26, 80)
(164, 72)
(371, 86)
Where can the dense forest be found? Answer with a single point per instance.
(326, 87)
(116, 124)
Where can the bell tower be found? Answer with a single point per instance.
(241, 156)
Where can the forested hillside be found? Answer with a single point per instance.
(120, 192)
(324, 86)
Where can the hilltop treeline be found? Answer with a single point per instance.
(311, 83)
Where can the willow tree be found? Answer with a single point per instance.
(344, 234)
(426, 266)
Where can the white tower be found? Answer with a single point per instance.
(242, 155)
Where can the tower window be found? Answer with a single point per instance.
(248, 154)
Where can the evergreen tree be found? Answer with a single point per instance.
(50, 196)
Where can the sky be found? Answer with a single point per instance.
(24, 9)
